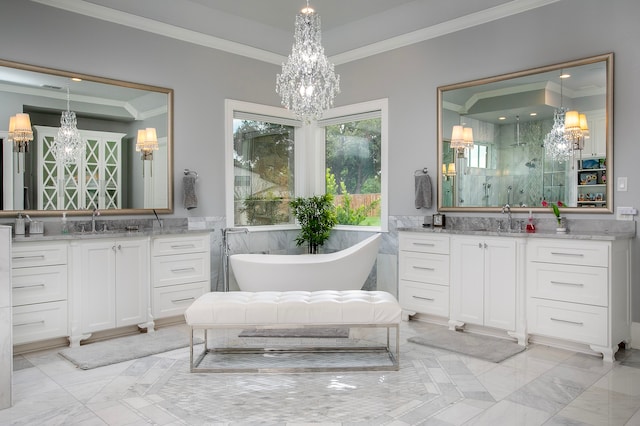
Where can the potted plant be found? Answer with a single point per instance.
(316, 216)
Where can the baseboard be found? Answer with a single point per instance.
(635, 335)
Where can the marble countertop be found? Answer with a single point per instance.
(116, 233)
(577, 235)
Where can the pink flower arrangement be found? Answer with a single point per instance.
(555, 207)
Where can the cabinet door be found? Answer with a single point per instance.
(131, 282)
(98, 266)
(500, 283)
(467, 276)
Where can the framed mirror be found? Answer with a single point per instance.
(509, 139)
(113, 170)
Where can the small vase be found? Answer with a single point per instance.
(561, 227)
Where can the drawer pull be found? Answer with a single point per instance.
(28, 286)
(567, 321)
(424, 268)
(184, 269)
(38, 256)
(558, 253)
(29, 323)
(183, 300)
(571, 284)
(430, 299)
(183, 246)
(424, 244)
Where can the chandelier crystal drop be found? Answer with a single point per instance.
(308, 82)
(68, 145)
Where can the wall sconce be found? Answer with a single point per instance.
(461, 138)
(576, 128)
(147, 143)
(20, 132)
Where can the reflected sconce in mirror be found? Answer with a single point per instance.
(20, 132)
(449, 171)
(576, 128)
(461, 138)
(147, 143)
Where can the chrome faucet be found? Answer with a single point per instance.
(506, 209)
(95, 213)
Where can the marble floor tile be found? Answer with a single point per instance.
(540, 386)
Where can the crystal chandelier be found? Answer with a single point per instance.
(556, 146)
(68, 145)
(308, 82)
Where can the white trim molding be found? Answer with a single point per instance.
(86, 8)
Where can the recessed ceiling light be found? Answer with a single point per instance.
(565, 75)
(76, 79)
(502, 118)
(533, 114)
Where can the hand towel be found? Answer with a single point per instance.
(189, 191)
(423, 191)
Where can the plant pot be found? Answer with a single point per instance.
(561, 227)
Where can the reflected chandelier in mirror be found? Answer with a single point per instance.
(539, 134)
(109, 173)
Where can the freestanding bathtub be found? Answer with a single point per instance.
(346, 269)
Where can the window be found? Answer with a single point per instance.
(271, 159)
(355, 147)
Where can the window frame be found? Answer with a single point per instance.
(309, 154)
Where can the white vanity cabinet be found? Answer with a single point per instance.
(39, 291)
(424, 274)
(579, 291)
(180, 273)
(484, 281)
(111, 284)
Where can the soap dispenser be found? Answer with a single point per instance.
(531, 227)
(19, 227)
(64, 226)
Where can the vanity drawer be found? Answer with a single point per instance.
(571, 321)
(180, 269)
(27, 255)
(424, 243)
(39, 322)
(587, 253)
(425, 298)
(174, 300)
(424, 267)
(163, 246)
(37, 285)
(570, 283)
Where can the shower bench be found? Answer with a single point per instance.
(294, 309)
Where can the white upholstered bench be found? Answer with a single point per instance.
(295, 309)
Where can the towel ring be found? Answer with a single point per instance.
(190, 172)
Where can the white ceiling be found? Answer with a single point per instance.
(263, 29)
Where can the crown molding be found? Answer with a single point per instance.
(145, 24)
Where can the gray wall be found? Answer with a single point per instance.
(202, 78)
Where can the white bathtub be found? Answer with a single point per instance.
(346, 269)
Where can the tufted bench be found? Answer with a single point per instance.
(295, 309)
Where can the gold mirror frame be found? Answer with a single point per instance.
(501, 82)
(125, 84)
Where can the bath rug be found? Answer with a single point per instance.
(106, 352)
(295, 332)
(488, 348)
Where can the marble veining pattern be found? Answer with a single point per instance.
(540, 386)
